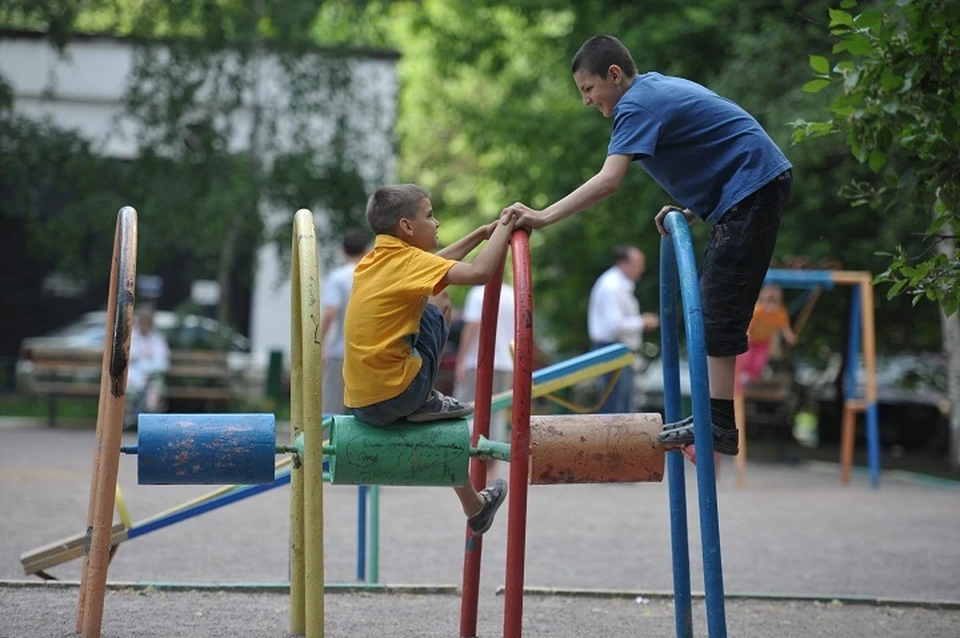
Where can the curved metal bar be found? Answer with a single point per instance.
(473, 546)
(520, 442)
(306, 494)
(113, 388)
(670, 349)
(679, 236)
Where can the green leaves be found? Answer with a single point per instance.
(815, 86)
(877, 160)
(900, 115)
(819, 64)
(840, 18)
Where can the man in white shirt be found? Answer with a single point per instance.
(614, 316)
(149, 362)
(466, 370)
(336, 293)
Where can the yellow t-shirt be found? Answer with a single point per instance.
(390, 289)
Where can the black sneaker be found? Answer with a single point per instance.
(439, 406)
(679, 434)
(493, 498)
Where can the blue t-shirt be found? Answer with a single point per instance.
(704, 150)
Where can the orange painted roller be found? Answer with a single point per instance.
(595, 448)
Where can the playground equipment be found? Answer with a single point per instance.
(546, 381)
(861, 336)
(565, 449)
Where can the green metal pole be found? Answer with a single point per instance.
(491, 449)
(374, 573)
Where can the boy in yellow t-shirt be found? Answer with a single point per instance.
(398, 319)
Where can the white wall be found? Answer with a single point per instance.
(83, 89)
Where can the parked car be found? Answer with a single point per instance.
(913, 404)
(188, 332)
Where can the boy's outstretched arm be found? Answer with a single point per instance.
(482, 268)
(462, 247)
(594, 190)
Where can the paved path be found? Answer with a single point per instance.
(792, 531)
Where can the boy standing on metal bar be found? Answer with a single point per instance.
(716, 161)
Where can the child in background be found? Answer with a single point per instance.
(770, 319)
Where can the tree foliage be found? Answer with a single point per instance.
(490, 115)
(226, 99)
(895, 80)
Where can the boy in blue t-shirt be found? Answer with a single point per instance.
(716, 161)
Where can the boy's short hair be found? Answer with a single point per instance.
(599, 52)
(389, 204)
(355, 242)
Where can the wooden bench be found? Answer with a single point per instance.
(201, 375)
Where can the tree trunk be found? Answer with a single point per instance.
(950, 329)
(225, 266)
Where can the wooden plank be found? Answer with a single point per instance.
(65, 388)
(198, 371)
(191, 356)
(196, 392)
(66, 354)
(63, 550)
(50, 368)
(850, 277)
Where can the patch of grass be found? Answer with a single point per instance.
(17, 405)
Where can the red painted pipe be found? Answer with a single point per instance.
(473, 546)
(520, 443)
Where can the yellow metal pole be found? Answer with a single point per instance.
(311, 418)
(298, 623)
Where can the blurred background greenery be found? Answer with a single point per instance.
(487, 115)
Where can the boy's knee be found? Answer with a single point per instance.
(442, 301)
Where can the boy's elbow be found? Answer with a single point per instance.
(609, 185)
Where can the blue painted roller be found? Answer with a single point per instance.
(205, 449)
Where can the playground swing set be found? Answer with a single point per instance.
(220, 448)
(861, 340)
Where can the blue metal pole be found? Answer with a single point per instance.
(851, 387)
(361, 532)
(676, 225)
(670, 355)
(873, 441)
(374, 576)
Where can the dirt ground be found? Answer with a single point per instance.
(794, 533)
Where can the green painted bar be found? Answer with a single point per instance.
(487, 449)
(435, 453)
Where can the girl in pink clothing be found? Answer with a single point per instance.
(769, 320)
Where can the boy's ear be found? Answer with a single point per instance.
(614, 73)
(404, 227)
